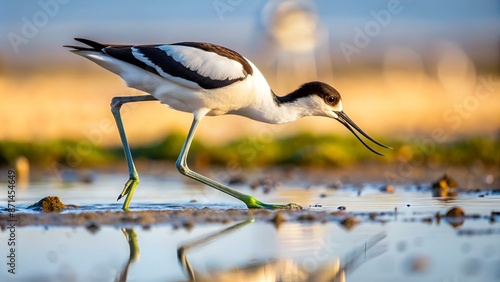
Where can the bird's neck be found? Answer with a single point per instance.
(280, 109)
(270, 108)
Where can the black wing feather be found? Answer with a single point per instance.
(166, 63)
(124, 53)
(177, 69)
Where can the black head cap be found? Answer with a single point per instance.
(321, 89)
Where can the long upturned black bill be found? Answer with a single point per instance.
(349, 124)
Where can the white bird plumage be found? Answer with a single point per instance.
(208, 79)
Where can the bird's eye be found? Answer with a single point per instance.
(331, 100)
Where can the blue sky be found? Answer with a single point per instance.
(467, 22)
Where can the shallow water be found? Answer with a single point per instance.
(400, 245)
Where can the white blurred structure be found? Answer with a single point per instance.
(293, 41)
(22, 166)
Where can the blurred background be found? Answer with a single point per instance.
(412, 73)
(420, 76)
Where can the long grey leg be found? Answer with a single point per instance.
(183, 168)
(116, 104)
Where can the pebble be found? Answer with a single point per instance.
(92, 227)
(49, 204)
(335, 185)
(237, 179)
(419, 264)
(278, 219)
(307, 217)
(444, 187)
(349, 222)
(455, 212)
(387, 189)
(488, 179)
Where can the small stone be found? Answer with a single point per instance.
(322, 195)
(387, 189)
(92, 227)
(266, 189)
(489, 178)
(87, 177)
(455, 212)
(293, 207)
(427, 220)
(444, 187)
(188, 225)
(49, 204)
(237, 179)
(254, 185)
(419, 264)
(438, 217)
(335, 185)
(341, 208)
(349, 222)
(307, 217)
(455, 217)
(278, 219)
(267, 185)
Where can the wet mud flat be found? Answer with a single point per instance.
(432, 232)
(182, 217)
(197, 243)
(438, 200)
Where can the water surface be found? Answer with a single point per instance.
(403, 242)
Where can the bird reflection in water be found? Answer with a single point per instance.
(278, 269)
(281, 269)
(134, 256)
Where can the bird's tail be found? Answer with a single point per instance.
(94, 46)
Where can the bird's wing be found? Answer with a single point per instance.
(208, 65)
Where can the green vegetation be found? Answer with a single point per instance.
(473, 149)
(303, 150)
(45, 154)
